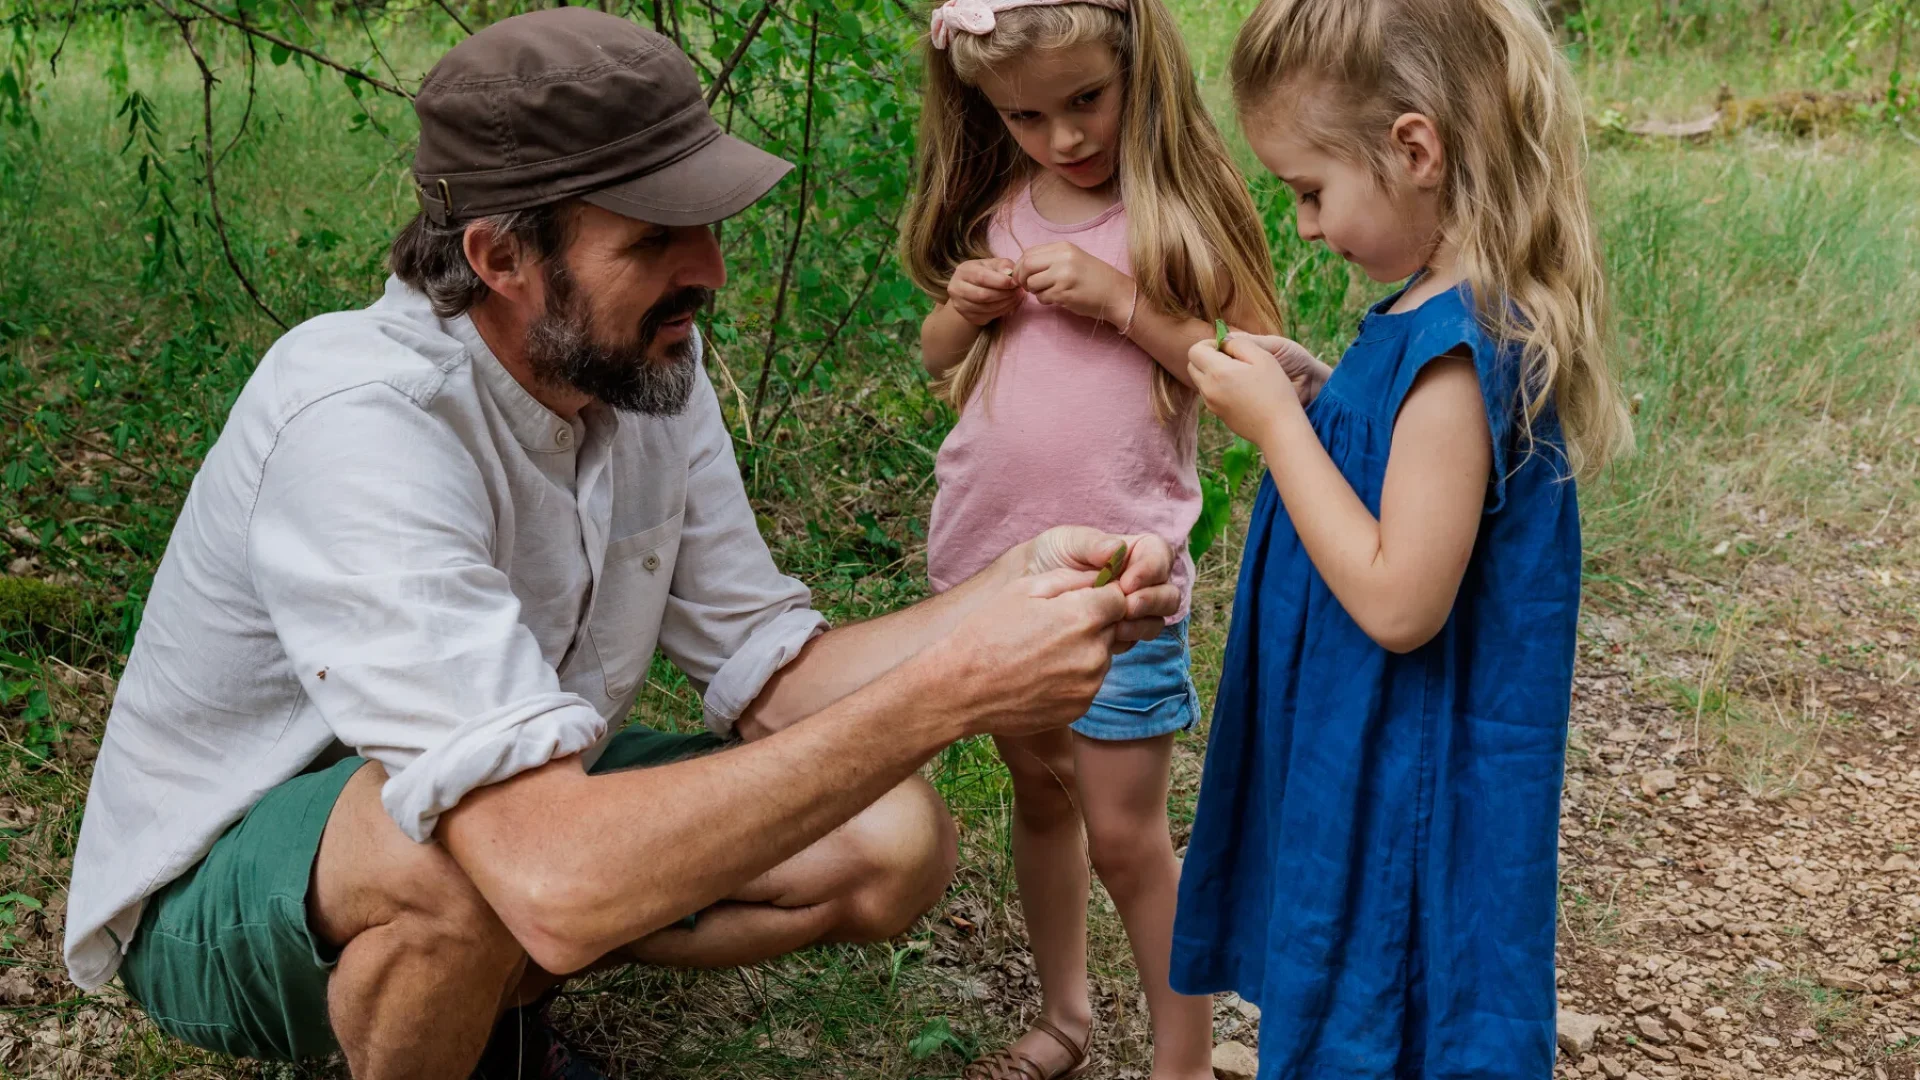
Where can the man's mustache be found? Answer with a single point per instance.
(682, 301)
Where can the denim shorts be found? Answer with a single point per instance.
(1149, 692)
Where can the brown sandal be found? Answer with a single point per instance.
(1004, 1064)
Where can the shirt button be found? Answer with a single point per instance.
(651, 562)
(564, 437)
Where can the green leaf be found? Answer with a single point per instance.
(1236, 462)
(936, 1035)
(279, 54)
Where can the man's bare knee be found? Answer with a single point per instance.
(370, 876)
(905, 847)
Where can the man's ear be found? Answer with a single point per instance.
(501, 261)
(1417, 144)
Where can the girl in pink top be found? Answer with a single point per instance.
(1081, 226)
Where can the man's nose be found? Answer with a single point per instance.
(700, 260)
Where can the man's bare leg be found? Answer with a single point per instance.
(866, 881)
(424, 963)
(426, 968)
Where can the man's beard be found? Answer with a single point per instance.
(562, 351)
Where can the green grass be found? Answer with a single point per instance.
(1765, 328)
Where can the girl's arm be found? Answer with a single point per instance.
(945, 338)
(980, 291)
(1397, 575)
(1065, 274)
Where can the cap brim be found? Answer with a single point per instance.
(714, 182)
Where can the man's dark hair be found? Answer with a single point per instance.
(433, 258)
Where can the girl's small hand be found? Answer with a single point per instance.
(1247, 387)
(1064, 275)
(1304, 368)
(982, 290)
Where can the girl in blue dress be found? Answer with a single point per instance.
(1373, 862)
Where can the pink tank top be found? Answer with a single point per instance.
(1063, 432)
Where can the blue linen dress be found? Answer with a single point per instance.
(1373, 860)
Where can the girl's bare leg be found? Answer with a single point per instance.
(1050, 866)
(1123, 788)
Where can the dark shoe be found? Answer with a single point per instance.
(525, 1047)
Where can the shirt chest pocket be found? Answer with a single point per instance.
(630, 602)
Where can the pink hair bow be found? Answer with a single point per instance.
(977, 16)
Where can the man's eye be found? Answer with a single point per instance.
(653, 241)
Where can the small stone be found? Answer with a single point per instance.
(1612, 1068)
(1651, 1029)
(1833, 980)
(1717, 1012)
(1898, 863)
(1697, 1041)
(1657, 1053)
(1711, 921)
(1235, 1061)
(1681, 1020)
(1576, 1031)
(1658, 781)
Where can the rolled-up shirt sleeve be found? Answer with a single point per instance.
(732, 618)
(370, 545)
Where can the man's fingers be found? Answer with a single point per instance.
(1149, 562)
(1057, 582)
(1130, 632)
(1153, 602)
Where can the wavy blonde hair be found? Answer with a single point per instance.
(1195, 241)
(1515, 208)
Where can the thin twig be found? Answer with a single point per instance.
(213, 190)
(361, 13)
(253, 64)
(833, 335)
(740, 51)
(73, 16)
(457, 21)
(354, 73)
(95, 446)
(799, 223)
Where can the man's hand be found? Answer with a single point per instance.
(1150, 598)
(1031, 657)
(982, 290)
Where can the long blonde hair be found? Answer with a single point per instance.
(1195, 241)
(1515, 196)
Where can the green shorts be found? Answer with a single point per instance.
(224, 958)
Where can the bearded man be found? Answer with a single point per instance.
(366, 783)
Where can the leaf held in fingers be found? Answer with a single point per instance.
(1220, 334)
(1113, 567)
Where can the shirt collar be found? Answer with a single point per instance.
(535, 426)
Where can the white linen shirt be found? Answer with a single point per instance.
(394, 549)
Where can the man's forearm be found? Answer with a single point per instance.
(843, 660)
(604, 873)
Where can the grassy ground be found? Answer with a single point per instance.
(1740, 774)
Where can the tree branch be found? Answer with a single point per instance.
(457, 21)
(275, 39)
(799, 223)
(73, 16)
(740, 51)
(253, 64)
(786, 400)
(213, 189)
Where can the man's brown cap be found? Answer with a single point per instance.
(573, 102)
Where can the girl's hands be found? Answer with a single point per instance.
(1063, 275)
(982, 290)
(1304, 368)
(1249, 387)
